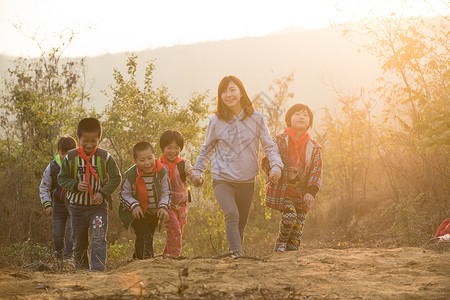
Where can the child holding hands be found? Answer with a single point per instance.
(300, 180)
(171, 143)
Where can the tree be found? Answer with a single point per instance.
(143, 113)
(274, 108)
(416, 52)
(408, 149)
(42, 100)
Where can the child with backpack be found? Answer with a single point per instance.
(90, 175)
(300, 180)
(144, 198)
(53, 199)
(171, 143)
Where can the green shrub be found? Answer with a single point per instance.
(408, 222)
(21, 254)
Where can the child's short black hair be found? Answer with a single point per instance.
(141, 146)
(66, 143)
(295, 108)
(169, 136)
(89, 125)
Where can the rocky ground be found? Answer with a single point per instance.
(354, 273)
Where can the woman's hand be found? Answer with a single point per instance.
(274, 176)
(198, 180)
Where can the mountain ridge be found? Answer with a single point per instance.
(319, 57)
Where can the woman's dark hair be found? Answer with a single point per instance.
(66, 143)
(295, 108)
(169, 136)
(89, 125)
(142, 146)
(223, 112)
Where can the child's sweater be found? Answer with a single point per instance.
(158, 191)
(179, 194)
(129, 196)
(311, 175)
(49, 189)
(69, 181)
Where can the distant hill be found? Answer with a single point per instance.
(317, 56)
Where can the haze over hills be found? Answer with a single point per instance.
(317, 56)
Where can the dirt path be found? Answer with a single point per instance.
(356, 273)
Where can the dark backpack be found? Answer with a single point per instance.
(57, 193)
(181, 169)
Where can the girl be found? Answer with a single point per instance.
(171, 143)
(300, 179)
(233, 135)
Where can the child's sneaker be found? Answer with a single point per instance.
(236, 255)
(280, 247)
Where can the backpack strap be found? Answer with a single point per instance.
(54, 170)
(102, 157)
(73, 163)
(182, 170)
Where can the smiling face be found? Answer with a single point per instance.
(231, 97)
(172, 151)
(300, 121)
(145, 160)
(89, 140)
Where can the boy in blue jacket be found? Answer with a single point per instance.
(53, 199)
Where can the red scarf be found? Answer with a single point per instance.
(171, 167)
(89, 167)
(295, 145)
(140, 183)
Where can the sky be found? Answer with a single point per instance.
(110, 26)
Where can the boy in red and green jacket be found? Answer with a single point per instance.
(90, 175)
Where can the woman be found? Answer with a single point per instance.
(233, 135)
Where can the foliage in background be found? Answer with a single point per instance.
(25, 253)
(385, 173)
(42, 99)
(392, 172)
(138, 113)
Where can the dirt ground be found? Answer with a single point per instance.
(354, 273)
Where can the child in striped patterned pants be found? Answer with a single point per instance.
(301, 177)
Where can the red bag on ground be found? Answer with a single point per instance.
(444, 228)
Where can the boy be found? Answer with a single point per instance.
(90, 175)
(144, 198)
(300, 180)
(53, 199)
